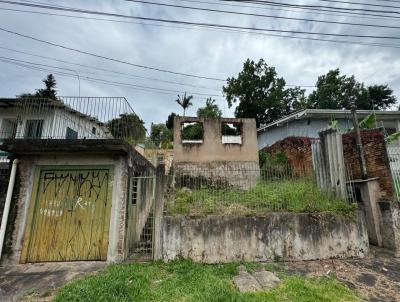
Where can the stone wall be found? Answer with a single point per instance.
(286, 236)
(376, 158)
(297, 151)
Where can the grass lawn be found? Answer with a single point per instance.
(295, 195)
(188, 281)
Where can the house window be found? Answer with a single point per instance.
(231, 133)
(192, 133)
(71, 134)
(94, 130)
(8, 128)
(33, 128)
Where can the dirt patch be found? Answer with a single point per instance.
(374, 278)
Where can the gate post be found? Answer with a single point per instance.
(158, 212)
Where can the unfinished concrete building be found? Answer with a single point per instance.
(222, 151)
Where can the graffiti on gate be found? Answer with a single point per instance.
(71, 190)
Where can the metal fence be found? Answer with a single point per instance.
(394, 161)
(69, 118)
(140, 215)
(253, 192)
(4, 165)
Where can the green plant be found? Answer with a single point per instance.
(189, 281)
(299, 195)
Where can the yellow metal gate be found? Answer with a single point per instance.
(69, 215)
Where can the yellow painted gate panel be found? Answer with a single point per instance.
(69, 215)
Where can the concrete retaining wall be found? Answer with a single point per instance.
(286, 236)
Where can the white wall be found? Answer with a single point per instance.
(45, 115)
(308, 128)
(82, 125)
(55, 123)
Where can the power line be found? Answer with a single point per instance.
(127, 75)
(360, 3)
(264, 7)
(115, 84)
(229, 30)
(303, 7)
(263, 15)
(351, 12)
(200, 23)
(319, 6)
(195, 23)
(122, 73)
(107, 70)
(121, 84)
(110, 59)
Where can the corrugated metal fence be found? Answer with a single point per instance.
(394, 160)
(328, 162)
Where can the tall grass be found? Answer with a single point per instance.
(293, 195)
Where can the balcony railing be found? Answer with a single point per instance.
(68, 118)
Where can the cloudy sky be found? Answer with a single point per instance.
(201, 51)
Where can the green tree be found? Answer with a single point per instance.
(336, 91)
(49, 92)
(260, 93)
(170, 121)
(160, 135)
(129, 127)
(193, 131)
(381, 97)
(184, 101)
(211, 110)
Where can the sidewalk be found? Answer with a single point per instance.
(38, 280)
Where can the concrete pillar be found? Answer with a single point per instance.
(390, 212)
(158, 212)
(369, 193)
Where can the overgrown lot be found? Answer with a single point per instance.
(188, 281)
(293, 195)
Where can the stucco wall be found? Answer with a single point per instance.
(232, 164)
(26, 171)
(285, 236)
(212, 148)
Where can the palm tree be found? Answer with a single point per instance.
(184, 102)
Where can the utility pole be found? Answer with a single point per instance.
(360, 149)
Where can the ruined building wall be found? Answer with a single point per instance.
(297, 151)
(230, 162)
